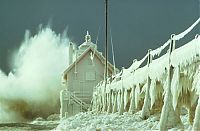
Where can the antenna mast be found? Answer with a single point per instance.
(113, 54)
(106, 42)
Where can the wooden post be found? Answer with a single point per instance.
(169, 118)
(146, 107)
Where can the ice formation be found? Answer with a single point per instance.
(175, 73)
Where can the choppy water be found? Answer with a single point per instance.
(26, 126)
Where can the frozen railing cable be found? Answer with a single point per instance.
(159, 49)
(136, 64)
(181, 35)
(175, 37)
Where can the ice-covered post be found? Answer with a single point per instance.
(64, 101)
(121, 109)
(147, 102)
(110, 101)
(104, 96)
(132, 108)
(115, 102)
(168, 117)
(100, 100)
(196, 125)
(105, 102)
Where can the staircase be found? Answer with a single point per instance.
(74, 98)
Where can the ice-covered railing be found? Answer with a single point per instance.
(175, 37)
(186, 54)
(169, 75)
(157, 67)
(181, 35)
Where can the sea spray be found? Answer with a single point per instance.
(32, 88)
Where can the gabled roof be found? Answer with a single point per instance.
(96, 53)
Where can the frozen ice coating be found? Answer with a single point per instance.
(181, 35)
(153, 92)
(159, 50)
(190, 51)
(196, 82)
(175, 87)
(140, 75)
(167, 83)
(158, 67)
(136, 64)
(137, 95)
(33, 88)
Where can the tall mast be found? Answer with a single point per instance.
(106, 42)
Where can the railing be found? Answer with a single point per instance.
(71, 96)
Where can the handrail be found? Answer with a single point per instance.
(77, 100)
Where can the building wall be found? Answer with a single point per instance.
(82, 83)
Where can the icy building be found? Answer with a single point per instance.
(86, 69)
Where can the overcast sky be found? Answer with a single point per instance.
(137, 25)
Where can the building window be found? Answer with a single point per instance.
(90, 76)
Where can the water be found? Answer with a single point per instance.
(25, 126)
(32, 87)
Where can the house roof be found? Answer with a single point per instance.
(96, 53)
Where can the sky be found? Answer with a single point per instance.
(136, 25)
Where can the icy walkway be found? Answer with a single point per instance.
(89, 122)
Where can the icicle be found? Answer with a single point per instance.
(153, 92)
(165, 86)
(132, 104)
(137, 95)
(113, 97)
(118, 100)
(175, 88)
(196, 81)
(125, 98)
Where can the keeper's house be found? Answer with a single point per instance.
(85, 71)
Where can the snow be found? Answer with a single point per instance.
(104, 121)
